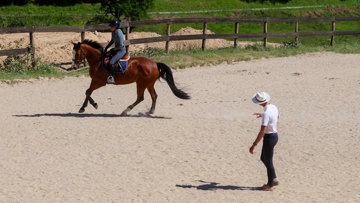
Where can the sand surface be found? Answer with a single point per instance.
(189, 150)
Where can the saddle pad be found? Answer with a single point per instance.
(122, 66)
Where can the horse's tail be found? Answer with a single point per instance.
(166, 74)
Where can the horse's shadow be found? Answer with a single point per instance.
(216, 186)
(88, 115)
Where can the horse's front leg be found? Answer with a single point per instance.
(88, 98)
(93, 103)
(82, 109)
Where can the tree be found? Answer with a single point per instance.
(126, 9)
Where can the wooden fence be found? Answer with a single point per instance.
(168, 38)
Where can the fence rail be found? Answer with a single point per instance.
(168, 38)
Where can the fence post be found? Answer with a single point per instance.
(204, 40)
(32, 49)
(296, 32)
(82, 39)
(236, 32)
(82, 35)
(167, 41)
(265, 31)
(127, 34)
(333, 35)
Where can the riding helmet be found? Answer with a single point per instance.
(115, 23)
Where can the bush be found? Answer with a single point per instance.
(23, 64)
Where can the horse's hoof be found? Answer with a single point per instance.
(95, 106)
(81, 110)
(124, 113)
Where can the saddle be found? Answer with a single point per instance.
(120, 66)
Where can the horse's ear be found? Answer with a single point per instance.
(74, 42)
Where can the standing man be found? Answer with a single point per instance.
(268, 131)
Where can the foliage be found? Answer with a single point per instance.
(126, 9)
(32, 15)
(151, 52)
(45, 2)
(22, 65)
(263, 1)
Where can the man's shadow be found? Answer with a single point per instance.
(217, 186)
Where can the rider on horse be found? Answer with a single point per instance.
(118, 51)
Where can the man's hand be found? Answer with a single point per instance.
(258, 115)
(251, 150)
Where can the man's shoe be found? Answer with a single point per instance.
(110, 79)
(266, 188)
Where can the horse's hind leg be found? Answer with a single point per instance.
(153, 95)
(140, 98)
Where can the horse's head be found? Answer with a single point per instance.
(91, 50)
(78, 55)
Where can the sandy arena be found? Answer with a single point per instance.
(189, 150)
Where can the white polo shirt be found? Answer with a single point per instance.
(270, 118)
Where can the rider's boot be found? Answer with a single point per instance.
(111, 78)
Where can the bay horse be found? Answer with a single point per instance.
(144, 71)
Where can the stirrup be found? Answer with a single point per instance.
(110, 79)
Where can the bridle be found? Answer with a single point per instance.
(82, 53)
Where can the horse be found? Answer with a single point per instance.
(141, 70)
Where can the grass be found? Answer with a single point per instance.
(197, 57)
(31, 15)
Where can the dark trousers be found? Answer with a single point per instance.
(267, 153)
(119, 54)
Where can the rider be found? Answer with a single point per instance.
(117, 37)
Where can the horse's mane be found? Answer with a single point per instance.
(92, 43)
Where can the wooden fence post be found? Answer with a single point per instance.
(296, 32)
(236, 32)
(204, 40)
(127, 37)
(82, 39)
(265, 31)
(82, 36)
(167, 41)
(333, 35)
(32, 49)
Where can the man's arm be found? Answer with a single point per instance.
(258, 138)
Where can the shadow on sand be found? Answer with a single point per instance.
(217, 186)
(87, 115)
